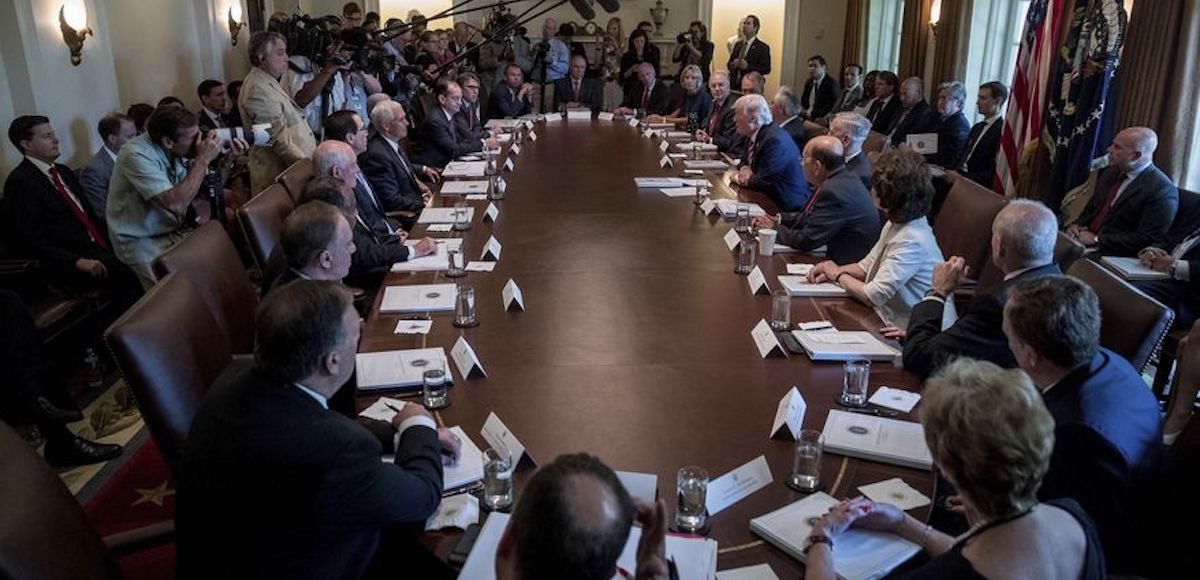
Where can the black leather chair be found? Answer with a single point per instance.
(1066, 251)
(170, 351)
(295, 177)
(1132, 324)
(262, 221)
(208, 258)
(44, 534)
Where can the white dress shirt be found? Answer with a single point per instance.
(45, 169)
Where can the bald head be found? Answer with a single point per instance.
(1023, 235)
(823, 156)
(1133, 148)
(336, 159)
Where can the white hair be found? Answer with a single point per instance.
(1029, 230)
(856, 126)
(756, 106)
(719, 73)
(329, 155)
(385, 112)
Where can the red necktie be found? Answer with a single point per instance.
(812, 200)
(1102, 214)
(645, 98)
(92, 230)
(712, 121)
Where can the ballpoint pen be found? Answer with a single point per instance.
(872, 411)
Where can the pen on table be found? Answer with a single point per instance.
(467, 489)
(868, 411)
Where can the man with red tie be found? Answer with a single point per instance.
(720, 128)
(647, 95)
(1134, 202)
(45, 218)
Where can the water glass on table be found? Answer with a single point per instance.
(498, 468)
(691, 491)
(434, 392)
(781, 310)
(745, 257)
(461, 222)
(806, 464)
(464, 307)
(742, 223)
(458, 266)
(854, 383)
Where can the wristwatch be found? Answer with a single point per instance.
(1171, 271)
(818, 539)
(932, 292)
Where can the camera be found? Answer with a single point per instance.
(314, 39)
(684, 38)
(257, 135)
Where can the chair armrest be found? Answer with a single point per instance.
(17, 266)
(138, 539)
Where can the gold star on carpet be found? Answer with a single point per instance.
(154, 495)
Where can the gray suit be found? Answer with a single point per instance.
(94, 177)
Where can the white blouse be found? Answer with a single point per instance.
(900, 269)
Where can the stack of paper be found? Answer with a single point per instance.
(1132, 269)
(800, 286)
(657, 182)
(463, 187)
(438, 260)
(844, 345)
(877, 439)
(696, 558)
(419, 298)
(690, 145)
(705, 164)
(728, 208)
(465, 169)
(579, 114)
(860, 554)
(396, 369)
(506, 124)
(442, 215)
(467, 470)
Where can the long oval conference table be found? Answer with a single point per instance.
(635, 343)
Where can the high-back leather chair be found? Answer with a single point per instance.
(964, 226)
(262, 221)
(815, 129)
(1066, 251)
(169, 351)
(874, 143)
(1187, 219)
(1132, 324)
(295, 177)
(207, 257)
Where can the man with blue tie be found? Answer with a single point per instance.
(772, 163)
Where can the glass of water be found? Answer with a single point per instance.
(497, 479)
(701, 195)
(854, 383)
(434, 392)
(495, 191)
(458, 266)
(781, 310)
(489, 156)
(461, 222)
(806, 465)
(464, 307)
(742, 225)
(691, 491)
(745, 254)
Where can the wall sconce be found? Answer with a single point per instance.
(935, 15)
(235, 21)
(74, 28)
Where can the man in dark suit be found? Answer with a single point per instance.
(749, 53)
(512, 97)
(398, 181)
(212, 113)
(1181, 292)
(647, 95)
(1023, 236)
(951, 127)
(1134, 202)
(720, 128)
(1107, 437)
(852, 129)
(575, 91)
(915, 115)
(772, 162)
(852, 91)
(883, 111)
(978, 159)
(317, 243)
(840, 215)
(333, 160)
(267, 424)
(470, 121)
(46, 219)
(115, 129)
(786, 110)
(437, 142)
(821, 92)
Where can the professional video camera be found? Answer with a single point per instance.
(501, 25)
(315, 39)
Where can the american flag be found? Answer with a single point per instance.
(1027, 100)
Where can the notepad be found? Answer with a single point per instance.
(800, 286)
(691, 145)
(728, 208)
(877, 439)
(657, 182)
(418, 298)
(860, 555)
(679, 191)
(467, 470)
(397, 369)
(437, 261)
(465, 169)
(1132, 269)
(579, 114)
(463, 187)
(442, 215)
(843, 345)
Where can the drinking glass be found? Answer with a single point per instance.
(691, 491)
(745, 261)
(495, 192)
(701, 195)
(490, 157)
(806, 465)
(497, 479)
(742, 225)
(781, 310)
(458, 266)
(697, 152)
(434, 392)
(461, 223)
(854, 383)
(464, 307)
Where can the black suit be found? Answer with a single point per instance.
(591, 93)
(469, 123)
(882, 114)
(503, 103)
(850, 99)
(841, 216)
(274, 485)
(373, 254)
(795, 129)
(861, 166)
(976, 334)
(1107, 444)
(758, 59)
(725, 135)
(659, 102)
(1141, 217)
(392, 177)
(207, 124)
(980, 165)
(827, 96)
(1182, 296)
(952, 135)
(921, 118)
(437, 141)
(38, 224)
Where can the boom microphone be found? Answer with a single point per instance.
(585, 10)
(609, 6)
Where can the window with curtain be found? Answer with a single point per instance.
(993, 57)
(883, 35)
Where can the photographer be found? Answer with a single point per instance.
(342, 84)
(264, 100)
(694, 48)
(152, 187)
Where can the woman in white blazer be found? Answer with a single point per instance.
(898, 270)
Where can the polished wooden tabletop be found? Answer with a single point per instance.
(635, 341)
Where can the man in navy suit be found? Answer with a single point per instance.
(470, 122)
(840, 215)
(647, 95)
(511, 98)
(1023, 236)
(720, 128)
(821, 92)
(1134, 202)
(750, 54)
(852, 129)
(45, 218)
(772, 162)
(576, 91)
(978, 159)
(267, 424)
(1107, 438)
(115, 129)
(787, 112)
(1181, 292)
(883, 111)
(398, 181)
(915, 115)
(951, 126)
(438, 143)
